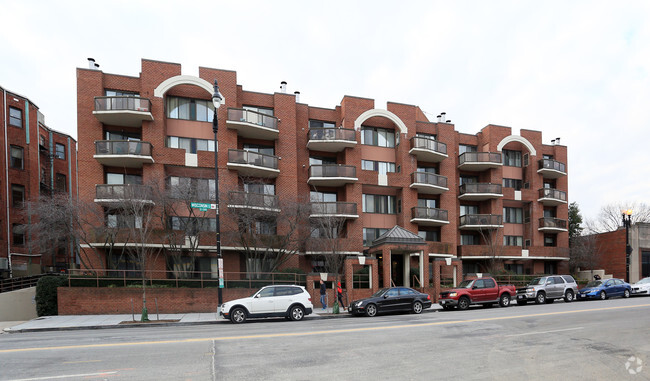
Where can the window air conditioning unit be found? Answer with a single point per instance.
(4, 264)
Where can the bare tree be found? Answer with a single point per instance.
(610, 216)
(584, 253)
(493, 240)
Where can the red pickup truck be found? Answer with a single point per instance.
(483, 291)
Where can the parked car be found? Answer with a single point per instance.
(605, 288)
(391, 299)
(641, 287)
(483, 291)
(548, 288)
(289, 301)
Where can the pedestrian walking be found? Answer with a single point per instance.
(339, 295)
(323, 294)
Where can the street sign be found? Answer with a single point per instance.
(202, 206)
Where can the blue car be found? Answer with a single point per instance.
(603, 289)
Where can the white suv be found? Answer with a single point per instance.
(292, 302)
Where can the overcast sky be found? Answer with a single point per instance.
(578, 70)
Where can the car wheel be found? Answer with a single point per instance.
(626, 294)
(238, 315)
(371, 310)
(603, 295)
(569, 296)
(463, 303)
(296, 313)
(521, 303)
(541, 298)
(417, 307)
(504, 301)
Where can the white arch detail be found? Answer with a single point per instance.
(182, 80)
(377, 112)
(517, 138)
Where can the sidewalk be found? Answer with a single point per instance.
(73, 322)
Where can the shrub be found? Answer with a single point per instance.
(46, 296)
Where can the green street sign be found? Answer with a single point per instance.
(202, 206)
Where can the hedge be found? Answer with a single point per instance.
(46, 294)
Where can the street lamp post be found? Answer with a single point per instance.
(627, 221)
(217, 100)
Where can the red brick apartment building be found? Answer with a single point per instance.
(411, 193)
(610, 252)
(37, 161)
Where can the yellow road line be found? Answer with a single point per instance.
(312, 333)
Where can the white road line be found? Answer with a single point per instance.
(542, 332)
(65, 376)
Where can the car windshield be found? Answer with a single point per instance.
(594, 283)
(466, 284)
(380, 292)
(536, 282)
(643, 281)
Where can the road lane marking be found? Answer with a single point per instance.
(312, 333)
(65, 376)
(542, 332)
(81, 362)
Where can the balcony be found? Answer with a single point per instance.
(253, 201)
(551, 169)
(332, 175)
(122, 153)
(480, 191)
(551, 197)
(122, 110)
(333, 209)
(552, 225)
(253, 164)
(429, 216)
(429, 150)
(252, 124)
(479, 161)
(428, 183)
(480, 221)
(331, 139)
(120, 195)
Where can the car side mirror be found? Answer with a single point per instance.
(549, 282)
(257, 296)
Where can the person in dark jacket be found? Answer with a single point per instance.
(323, 294)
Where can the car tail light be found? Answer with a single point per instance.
(428, 297)
(309, 299)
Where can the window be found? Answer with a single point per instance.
(489, 283)
(18, 234)
(258, 188)
(428, 170)
(60, 151)
(16, 157)
(42, 141)
(322, 160)
(513, 215)
(122, 135)
(121, 93)
(375, 136)
(371, 234)
(123, 221)
(428, 235)
(318, 231)
(514, 268)
(190, 188)
(645, 263)
(261, 110)
(512, 183)
(548, 157)
(468, 209)
(469, 239)
(468, 180)
(382, 167)
(315, 196)
(60, 182)
(265, 150)
(320, 124)
(423, 135)
(462, 148)
(549, 212)
(265, 227)
(190, 109)
(549, 240)
(191, 145)
(15, 117)
(120, 178)
(427, 203)
(513, 240)
(192, 225)
(511, 158)
(550, 268)
(17, 195)
(378, 204)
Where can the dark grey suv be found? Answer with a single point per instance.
(546, 289)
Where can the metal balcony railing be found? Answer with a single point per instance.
(239, 156)
(552, 193)
(252, 117)
(334, 208)
(123, 192)
(552, 164)
(328, 133)
(126, 103)
(122, 147)
(429, 179)
(481, 219)
(552, 222)
(480, 157)
(253, 200)
(333, 170)
(481, 188)
(429, 213)
(429, 144)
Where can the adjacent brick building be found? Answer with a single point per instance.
(37, 161)
(464, 203)
(610, 252)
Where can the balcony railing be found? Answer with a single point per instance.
(479, 160)
(115, 193)
(550, 196)
(429, 183)
(331, 139)
(551, 168)
(428, 144)
(252, 117)
(552, 224)
(429, 216)
(480, 191)
(253, 200)
(122, 147)
(333, 170)
(333, 209)
(478, 221)
(253, 163)
(122, 110)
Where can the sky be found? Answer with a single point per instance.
(578, 70)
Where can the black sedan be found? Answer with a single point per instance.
(391, 299)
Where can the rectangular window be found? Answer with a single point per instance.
(60, 151)
(199, 110)
(123, 221)
(261, 110)
(191, 145)
(315, 196)
(423, 135)
(42, 141)
(322, 160)
(382, 204)
(17, 157)
(550, 268)
(514, 268)
(60, 182)
(371, 234)
(512, 240)
(320, 124)
(511, 158)
(188, 188)
(259, 188)
(468, 209)
(15, 117)
(375, 136)
(18, 234)
(120, 178)
(382, 167)
(428, 235)
(468, 180)
(469, 239)
(462, 148)
(427, 203)
(512, 183)
(192, 225)
(549, 240)
(17, 195)
(513, 215)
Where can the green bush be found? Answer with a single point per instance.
(46, 296)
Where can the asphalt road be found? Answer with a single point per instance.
(577, 341)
